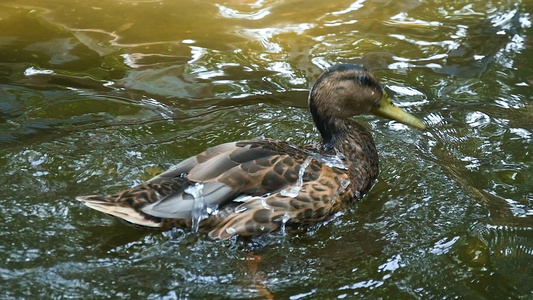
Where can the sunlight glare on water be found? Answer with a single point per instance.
(99, 96)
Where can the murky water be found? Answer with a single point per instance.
(98, 96)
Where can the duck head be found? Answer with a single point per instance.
(347, 90)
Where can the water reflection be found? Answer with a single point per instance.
(99, 96)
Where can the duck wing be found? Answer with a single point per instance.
(220, 174)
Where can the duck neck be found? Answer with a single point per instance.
(326, 126)
(356, 144)
(332, 129)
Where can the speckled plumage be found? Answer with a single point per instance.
(253, 187)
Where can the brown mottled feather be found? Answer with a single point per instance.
(264, 170)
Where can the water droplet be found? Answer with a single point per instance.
(284, 220)
(212, 209)
(294, 190)
(332, 161)
(265, 204)
(291, 191)
(199, 207)
(240, 209)
(343, 185)
(230, 230)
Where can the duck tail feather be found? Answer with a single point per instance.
(106, 205)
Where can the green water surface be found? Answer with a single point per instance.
(97, 96)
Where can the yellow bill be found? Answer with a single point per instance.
(387, 110)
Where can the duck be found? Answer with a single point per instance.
(253, 187)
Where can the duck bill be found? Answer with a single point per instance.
(389, 111)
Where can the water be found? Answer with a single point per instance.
(284, 220)
(99, 96)
(330, 160)
(199, 207)
(333, 161)
(294, 190)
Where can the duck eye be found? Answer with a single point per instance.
(364, 80)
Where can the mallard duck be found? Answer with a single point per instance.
(258, 186)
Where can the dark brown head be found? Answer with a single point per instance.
(346, 90)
